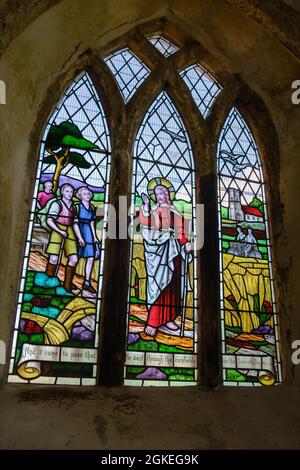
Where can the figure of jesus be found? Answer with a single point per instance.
(166, 251)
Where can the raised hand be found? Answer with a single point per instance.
(187, 247)
(146, 201)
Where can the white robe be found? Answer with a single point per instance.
(161, 247)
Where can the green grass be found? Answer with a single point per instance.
(171, 349)
(75, 343)
(234, 329)
(135, 300)
(132, 370)
(171, 370)
(228, 237)
(259, 343)
(143, 345)
(263, 249)
(225, 246)
(172, 373)
(134, 318)
(235, 376)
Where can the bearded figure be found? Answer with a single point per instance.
(167, 254)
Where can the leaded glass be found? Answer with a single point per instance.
(128, 70)
(203, 87)
(164, 46)
(162, 319)
(250, 343)
(56, 329)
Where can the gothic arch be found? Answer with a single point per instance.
(123, 122)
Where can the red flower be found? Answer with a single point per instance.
(230, 297)
(268, 306)
(31, 328)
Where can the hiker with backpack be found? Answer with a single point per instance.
(60, 219)
(45, 195)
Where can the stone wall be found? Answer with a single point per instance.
(44, 48)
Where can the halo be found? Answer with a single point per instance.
(160, 182)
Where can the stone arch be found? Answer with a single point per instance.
(203, 139)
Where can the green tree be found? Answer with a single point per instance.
(258, 204)
(60, 140)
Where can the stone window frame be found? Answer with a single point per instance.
(123, 123)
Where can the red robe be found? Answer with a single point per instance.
(168, 304)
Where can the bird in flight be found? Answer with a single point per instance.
(234, 160)
(174, 135)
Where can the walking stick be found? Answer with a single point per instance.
(185, 287)
(185, 290)
(60, 256)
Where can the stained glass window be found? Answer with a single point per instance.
(128, 70)
(203, 87)
(56, 330)
(164, 46)
(248, 312)
(162, 320)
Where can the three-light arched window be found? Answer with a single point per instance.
(66, 314)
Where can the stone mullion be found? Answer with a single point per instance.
(194, 54)
(145, 95)
(108, 92)
(209, 271)
(112, 331)
(116, 269)
(189, 55)
(221, 107)
(145, 50)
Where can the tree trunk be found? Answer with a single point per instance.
(58, 169)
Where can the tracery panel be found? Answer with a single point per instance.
(250, 341)
(162, 319)
(56, 330)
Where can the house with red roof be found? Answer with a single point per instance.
(240, 212)
(252, 214)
